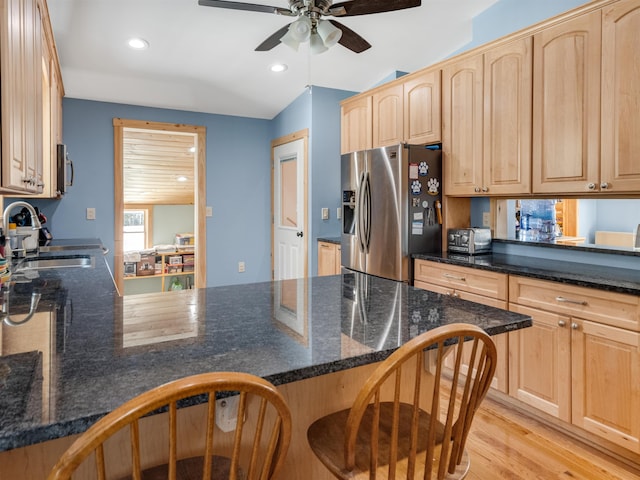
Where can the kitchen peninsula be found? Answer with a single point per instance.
(100, 349)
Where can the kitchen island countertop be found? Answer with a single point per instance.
(100, 349)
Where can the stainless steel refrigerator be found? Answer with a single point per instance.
(391, 208)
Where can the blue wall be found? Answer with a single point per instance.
(318, 109)
(238, 184)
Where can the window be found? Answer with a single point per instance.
(135, 228)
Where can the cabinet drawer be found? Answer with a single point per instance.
(470, 280)
(611, 308)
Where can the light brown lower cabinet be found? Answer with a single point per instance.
(329, 261)
(479, 286)
(577, 362)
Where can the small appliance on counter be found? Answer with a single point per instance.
(471, 241)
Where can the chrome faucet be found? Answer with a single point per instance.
(35, 221)
(4, 310)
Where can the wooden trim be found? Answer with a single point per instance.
(292, 137)
(200, 276)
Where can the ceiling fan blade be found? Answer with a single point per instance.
(273, 40)
(351, 39)
(251, 7)
(366, 7)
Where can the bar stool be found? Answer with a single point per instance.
(256, 453)
(392, 433)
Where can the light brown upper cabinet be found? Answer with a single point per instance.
(462, 106)
(422, 107)
(356, 124)
(566, 113)
(405, 110)
(507, 118)
(21, 44)
(620, 168)
(487, 122)
(388, 115)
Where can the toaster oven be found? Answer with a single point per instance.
(471, 241)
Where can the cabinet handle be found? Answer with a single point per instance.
(569, 300)
(561, 323)
(591, 186)
(454, 277)
(575, 326)
(604, 185)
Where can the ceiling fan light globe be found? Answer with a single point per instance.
(329, 33)
(289, 40)
(301, 29)
(316, 44)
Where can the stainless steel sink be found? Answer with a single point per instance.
(63, 261)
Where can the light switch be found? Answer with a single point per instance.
(209, 211)
(91, 213)
(325, 213)
(338, 213)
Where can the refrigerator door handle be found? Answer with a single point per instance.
(360, 213)
(367, 207)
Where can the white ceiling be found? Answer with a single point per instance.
(202, 58)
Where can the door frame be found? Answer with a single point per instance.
(199, 201)
(292, 137)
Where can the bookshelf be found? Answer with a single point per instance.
(159, 271)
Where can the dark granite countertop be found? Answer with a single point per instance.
(622, 280)
(100, 350)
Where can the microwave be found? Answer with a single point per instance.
(64, 170)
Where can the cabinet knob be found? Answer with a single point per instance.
(485, 189)
(477, 189)
(456, 295)
(591, 186)
(574, 326)
(604, 185)
(561, 323)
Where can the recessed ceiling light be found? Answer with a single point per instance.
(278, 67)
(192, 149)
(138, 43)
(182, 178)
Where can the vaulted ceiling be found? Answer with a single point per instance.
(202, 59)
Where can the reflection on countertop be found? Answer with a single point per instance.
(93, 341)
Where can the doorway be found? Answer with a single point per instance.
(289, 206)
(157, 147)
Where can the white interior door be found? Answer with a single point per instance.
(289, 222)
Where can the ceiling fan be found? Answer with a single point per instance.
(310, 25)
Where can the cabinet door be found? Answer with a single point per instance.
(620, 169)
(338, 260)
(33, 107)
(13, 94)
(356, 125)
(388, 116)
(605, 369)
(462, 126)
(566, 106)
(507, 118)
(422, 108)
(540, 362)
(326, 258)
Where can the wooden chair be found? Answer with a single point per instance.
(257, 447)
(388, 432)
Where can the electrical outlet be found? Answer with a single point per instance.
(325, 213)
(240, 267)
(91, 213)
(209, 212)
(486, 219)
(338, 213)
(227, 413)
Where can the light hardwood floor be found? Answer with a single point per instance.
(505, 444)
